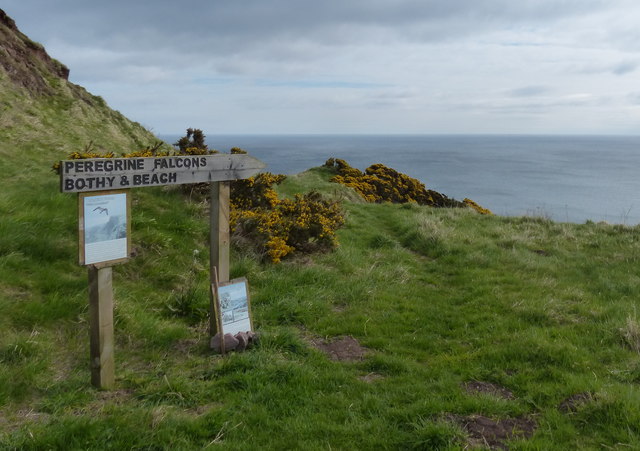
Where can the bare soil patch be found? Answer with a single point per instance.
(119, 396)
(105, 398)
(204, 409)
(480, 387)
(343, 349)
(339, 308)
(492, 434)
(13, 422)
(371, 377)
(573, 402)
(4, 422)
(187, 345)
(541, 252)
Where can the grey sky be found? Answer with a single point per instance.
(352, 66)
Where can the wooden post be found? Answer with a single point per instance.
(101, 327)
(219, 243)
(220, 239)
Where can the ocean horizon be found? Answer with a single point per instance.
(567, 178)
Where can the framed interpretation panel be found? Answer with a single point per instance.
(233, 307)
(104, 227)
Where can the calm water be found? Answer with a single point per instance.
(567, 178)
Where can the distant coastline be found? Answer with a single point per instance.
(567, 178)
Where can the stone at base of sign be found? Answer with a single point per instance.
(238, 342)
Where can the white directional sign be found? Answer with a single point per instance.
(99, 174)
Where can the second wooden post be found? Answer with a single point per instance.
(219, 238)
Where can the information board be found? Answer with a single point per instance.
(104, 226)
(233, 307)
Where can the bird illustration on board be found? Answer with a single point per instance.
(102, 210)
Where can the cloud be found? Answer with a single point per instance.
(227, 27)
(634, 98)
(389, 62)
(612, 67)
(624, 67)
(529, 91)
(329, 84)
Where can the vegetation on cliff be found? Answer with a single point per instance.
(379, 183)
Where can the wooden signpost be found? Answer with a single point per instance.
(100, 174)
(107, 174)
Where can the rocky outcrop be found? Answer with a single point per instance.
(25, 62)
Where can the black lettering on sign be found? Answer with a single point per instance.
(132, 164)
(163, 178)
(89, 182)
(180, 162)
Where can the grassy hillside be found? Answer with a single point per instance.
(56, 124)
(425, 327)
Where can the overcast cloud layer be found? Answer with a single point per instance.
(352, 66)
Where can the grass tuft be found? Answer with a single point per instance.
(190, 303)
(435, 435)
(631, 332)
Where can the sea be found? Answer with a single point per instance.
(563, 178)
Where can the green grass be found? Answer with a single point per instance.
(438, 297)
(317, 179)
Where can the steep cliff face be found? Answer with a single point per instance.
(40, 110)
(26, 62)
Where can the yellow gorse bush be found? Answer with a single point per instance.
(380, 183)
(278, 227)
(476, 207)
